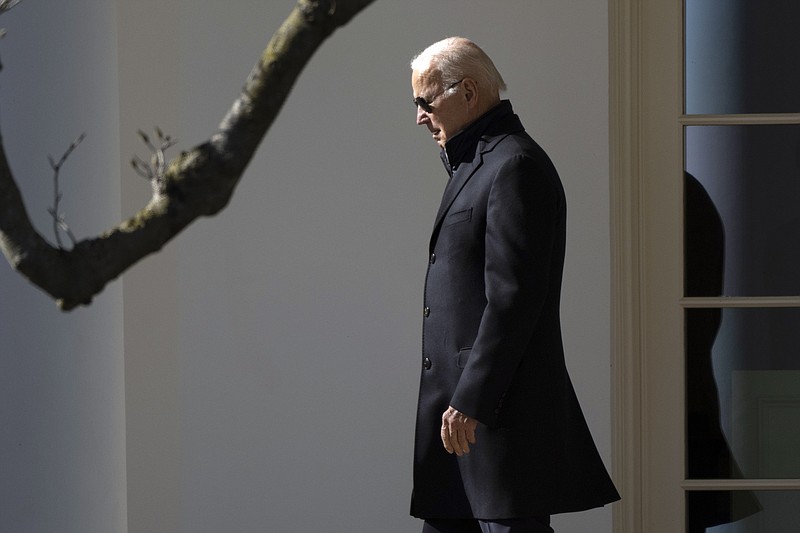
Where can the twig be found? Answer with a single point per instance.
(59, 221)
(153, 171)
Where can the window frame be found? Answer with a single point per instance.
(647, 123)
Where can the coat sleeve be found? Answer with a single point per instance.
(525, 214)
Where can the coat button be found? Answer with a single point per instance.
(426, 312)
(426, 363)
(433, 258)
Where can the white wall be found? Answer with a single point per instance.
(271, 353)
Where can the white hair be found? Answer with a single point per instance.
(455, 58)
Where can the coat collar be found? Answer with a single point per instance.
(463, 154)
(461, 148)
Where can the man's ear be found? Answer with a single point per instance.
(470, 91)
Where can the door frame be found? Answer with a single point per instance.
(646, 166)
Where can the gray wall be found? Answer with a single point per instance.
(271, 353)
(62, 412)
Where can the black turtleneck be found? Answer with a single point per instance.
(461, 146)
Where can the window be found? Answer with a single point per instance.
(705, 114)
(741, 266)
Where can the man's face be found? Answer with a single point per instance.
(448, 114)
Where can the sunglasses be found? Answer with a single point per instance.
(426, 105)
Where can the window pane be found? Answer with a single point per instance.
(742, 56)
(743, 393)
(742, 212)
(742, 511)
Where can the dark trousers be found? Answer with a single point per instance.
(539, 524)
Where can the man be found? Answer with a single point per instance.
(501, 442)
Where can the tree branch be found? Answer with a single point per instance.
(199, 182)
(59, 220)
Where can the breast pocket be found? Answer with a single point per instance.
(463, 357)
(464, 215)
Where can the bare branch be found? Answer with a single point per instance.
(199, 182)
(59, 220)
(155, 170)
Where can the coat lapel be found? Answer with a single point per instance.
(454, 187)
(495, 130)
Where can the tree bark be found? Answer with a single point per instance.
(198, 182)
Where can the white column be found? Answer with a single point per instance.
(62, 419)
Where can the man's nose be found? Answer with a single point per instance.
(422, 116)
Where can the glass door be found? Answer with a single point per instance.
(741, 258)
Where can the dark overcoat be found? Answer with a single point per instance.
(491, 343)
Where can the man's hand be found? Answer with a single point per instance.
(458, 431)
